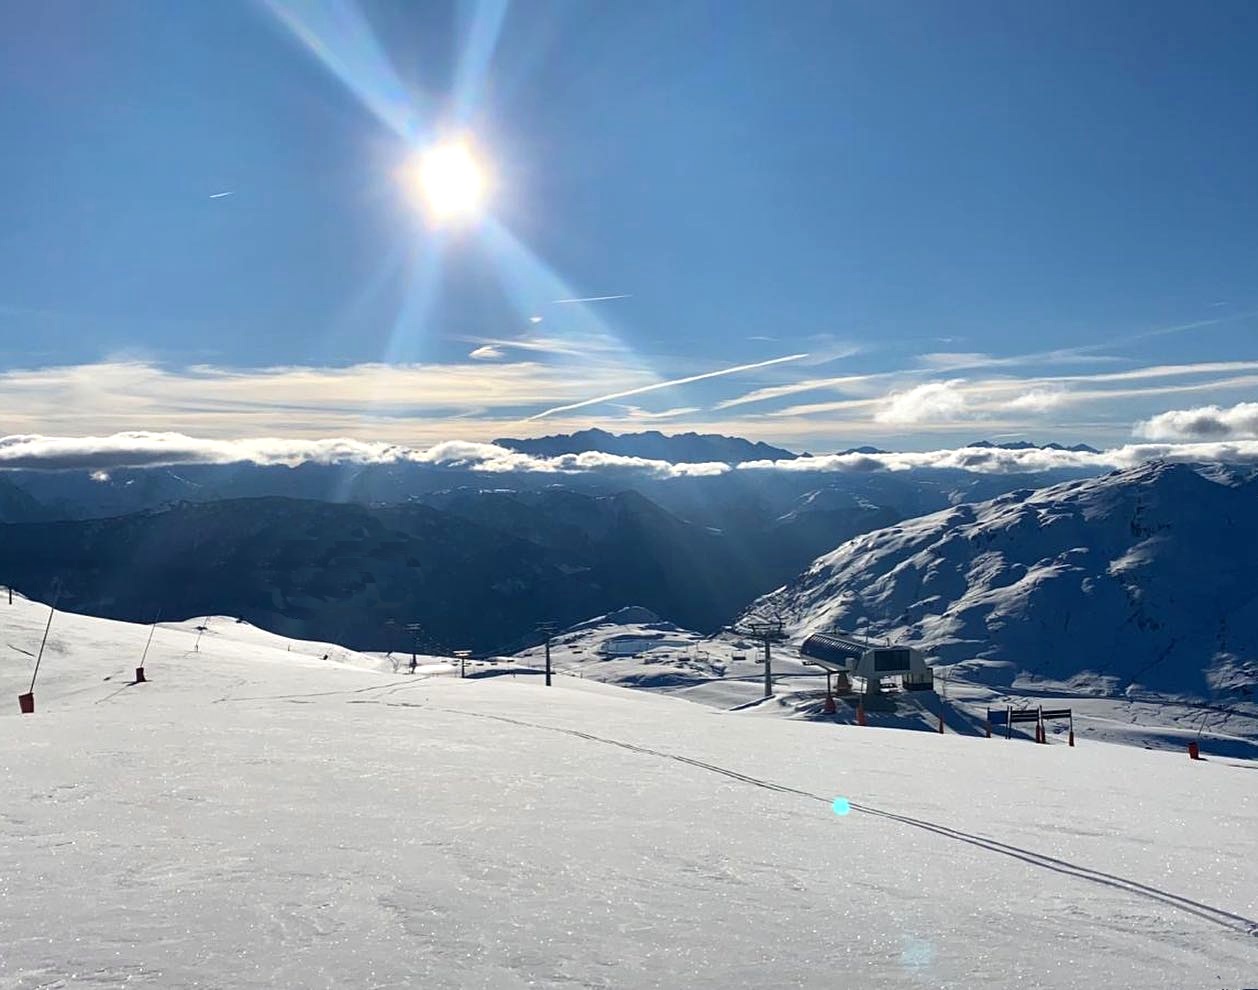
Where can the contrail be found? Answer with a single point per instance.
(668, 384)
(220, 195)
(623, 295)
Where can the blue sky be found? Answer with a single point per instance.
(939, 221)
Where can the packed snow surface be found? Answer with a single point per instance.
(258, 816)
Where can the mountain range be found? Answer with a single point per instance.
(1130, 580)
(678, 448)
(476, 568)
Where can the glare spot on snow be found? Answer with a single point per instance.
(916, 954)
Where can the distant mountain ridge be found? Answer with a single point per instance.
(476, 568)
(677, 448)
(1078, 448)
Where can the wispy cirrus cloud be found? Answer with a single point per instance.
(590, 299)
(404, 400)
(672, 383)
(638, 413)
(958, 398)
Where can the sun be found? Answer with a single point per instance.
(448, 180)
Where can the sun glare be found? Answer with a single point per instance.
(448, 180)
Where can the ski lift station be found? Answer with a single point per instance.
(872, 664)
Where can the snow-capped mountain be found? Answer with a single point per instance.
(1139, 580)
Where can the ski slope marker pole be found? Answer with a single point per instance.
(139, 671)
(26, 702)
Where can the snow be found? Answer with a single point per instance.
(256, 816)
(703, 669)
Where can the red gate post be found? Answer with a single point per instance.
(139, 675)
(1194, 751)
(26, 703)
(860, 712)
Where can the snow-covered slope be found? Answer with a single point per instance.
(1140, 581)
(260, 817)
(634, 648)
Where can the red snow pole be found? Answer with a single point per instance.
(26, 702)
(1194, 751)
(1072, 728)
(860, 713)
(941, 725)
(829, 706)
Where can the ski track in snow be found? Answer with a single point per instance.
(1226, 919)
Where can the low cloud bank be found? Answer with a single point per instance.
(995, 460)
(132, 450)
(1238, 422)
(122, 450)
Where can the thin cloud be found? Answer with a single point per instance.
(1049, 391)
(668, 384)
(487, 353)
(403, 400)
(637, 412)
(946, 361)
(1038, 400)
(587, 299)
(220, 195)
(540, 345)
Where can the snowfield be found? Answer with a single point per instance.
(258, 816)
(722, 671)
